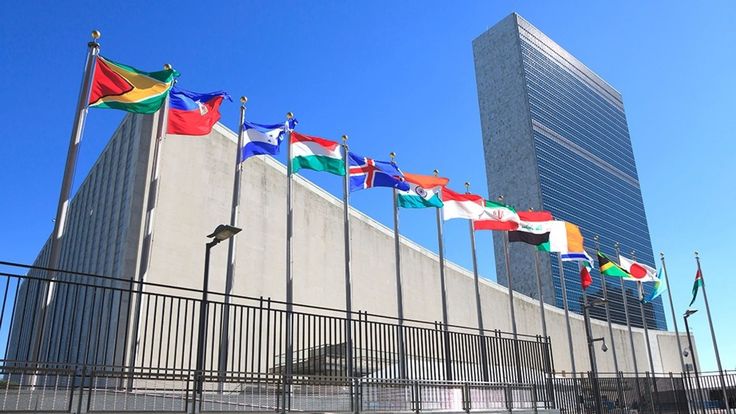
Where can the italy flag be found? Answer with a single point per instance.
(424, 191)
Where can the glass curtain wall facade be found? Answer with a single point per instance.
(569, 142)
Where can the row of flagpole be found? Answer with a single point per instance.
(160, 133)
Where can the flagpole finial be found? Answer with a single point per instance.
(616, 245)
(697, 255)
(289, 115)
(344, 139)
(96, 35)
(595, 237)
(392, 155)
(167, 66)
(467, 186)
(436, 172)
(243, 99)
(661, 254)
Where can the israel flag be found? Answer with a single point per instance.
(264, 139)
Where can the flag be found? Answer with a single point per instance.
(638, 272)
(566, 239)
(534, 228)
(368, 173)
(424, 191)
(192, 113)
(585, 279)
(659, 288)
(118, 86)
(465, 206)
(609, 268)
(316, 153)
(263, 139)
(497, 216)
(696, 285)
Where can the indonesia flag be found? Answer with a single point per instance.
(466, 206)
(192, 113)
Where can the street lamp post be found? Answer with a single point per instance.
(687, 314)
(591, 350)
(221, 233)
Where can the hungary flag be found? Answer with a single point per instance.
(424, 191)
(118, 86)
(497, 216)
(315, 153)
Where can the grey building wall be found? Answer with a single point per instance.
(555, 138)
(101, 237)
(194, 196)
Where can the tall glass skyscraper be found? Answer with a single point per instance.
(556, 138)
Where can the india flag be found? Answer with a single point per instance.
(316, 154)
(424, 191)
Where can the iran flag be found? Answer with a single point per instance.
(639, 272)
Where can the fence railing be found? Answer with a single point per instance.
(655, 394)
(79, 319)
(101, 389)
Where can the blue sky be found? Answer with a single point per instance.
(395, 76)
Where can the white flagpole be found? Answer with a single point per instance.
(348, 269)
(399, 284)
(672, 309)
(153, 186)
(80, 116)
(289, 275)
(608, 312)
(617, 246)
(507, 257)
(478, 308)
(443, 293)
(563, 285)
(231, 247)
(713, 335)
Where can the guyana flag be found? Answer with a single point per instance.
(609, 268)
(118, 86)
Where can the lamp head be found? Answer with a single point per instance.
(690, 312)
(604, 347)
(224, 232)
(685, 353)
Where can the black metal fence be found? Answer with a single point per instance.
(657, 394)
(89, 343)
(77, 333)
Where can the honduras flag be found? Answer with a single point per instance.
(264, 139)
(368, 173)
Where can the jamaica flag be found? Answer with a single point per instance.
(118, 86)
(609, 268)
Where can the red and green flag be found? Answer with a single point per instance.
(696, 286)
(585, 279)
(118, 86)
(315, 153)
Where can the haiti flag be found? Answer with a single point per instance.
(192, 113)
